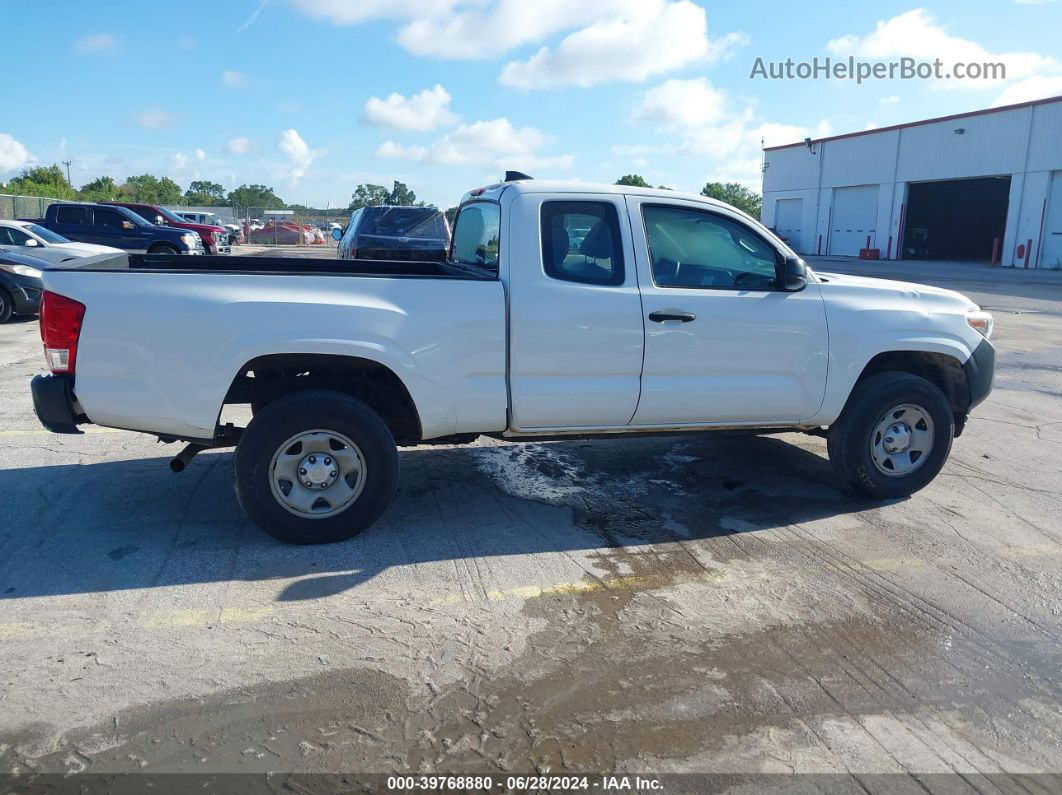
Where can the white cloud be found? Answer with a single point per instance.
(230, 78)
(495, 142)
(890, 100)
(1036, 87)
(155, 119)
(200, 155)
(95, 44)
(423, 111)
(238, 146)
(625, 40)
(917, 34)
(653, 37)
(300, 155)
(13, 155)
(704, 122)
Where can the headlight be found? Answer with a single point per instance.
(191, 239)
(26, 270)
(981, 322)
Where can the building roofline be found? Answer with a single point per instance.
(921, 122)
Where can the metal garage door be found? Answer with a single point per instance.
(1052, 242)
(855, 214)
(787, 215)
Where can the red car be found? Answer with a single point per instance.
(215, 238)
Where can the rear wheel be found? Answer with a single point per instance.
(7, 306)
(315, 467)
(893, 436)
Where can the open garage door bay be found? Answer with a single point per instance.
(855, 213)
(955, 219)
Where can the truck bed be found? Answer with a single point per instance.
(294, 266)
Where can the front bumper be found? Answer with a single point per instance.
(980, 371)
(53, 402)
(219, 250)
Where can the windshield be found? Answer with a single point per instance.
(171, 216)
(47, 235)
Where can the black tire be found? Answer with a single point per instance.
(304, 411)
(163, 248)
(850, 438)
(7, 306)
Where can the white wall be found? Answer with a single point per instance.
(1023, 142)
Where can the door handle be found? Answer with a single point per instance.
(660, 317)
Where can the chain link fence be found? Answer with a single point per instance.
(14, 207)
(267, 227)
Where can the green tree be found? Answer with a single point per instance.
(152, 190)
(401, 195)
(736, 195)
(101, 189)
(49, 181)
(634, 180)
(255, 196)
(202, 193)
(369, 195)
(451, 214)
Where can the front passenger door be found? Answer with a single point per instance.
(723, 344)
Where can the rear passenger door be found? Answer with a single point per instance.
(73, 221)
(576, 334)
(112, 228)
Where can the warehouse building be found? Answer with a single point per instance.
(984, 186)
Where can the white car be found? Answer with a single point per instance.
(672, 313)
(26, 237)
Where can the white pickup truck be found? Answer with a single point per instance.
(563, 310)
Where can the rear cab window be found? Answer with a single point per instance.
(477, 236)
(581, 242)
(72, 214)
(404, 222)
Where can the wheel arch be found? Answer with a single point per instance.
(268, 377)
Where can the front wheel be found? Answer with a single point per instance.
(893, 436)
(315, 467)
(163, 248)
(7, 306)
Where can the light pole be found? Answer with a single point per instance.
(67, 164)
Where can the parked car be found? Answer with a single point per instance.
(234, 230)
(25, 237)
(110, 225)
(395, 233)
(675, 313)
(20, 284)
(214, 236)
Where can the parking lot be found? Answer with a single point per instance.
(681, 604)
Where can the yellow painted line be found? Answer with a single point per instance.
(202, 617)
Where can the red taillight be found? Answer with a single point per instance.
(60, 329)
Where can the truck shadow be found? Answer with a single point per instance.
(133, 524)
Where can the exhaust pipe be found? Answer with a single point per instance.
(182, 459)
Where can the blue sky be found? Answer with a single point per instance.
(315, 96)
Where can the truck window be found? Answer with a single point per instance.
(691, 248)
(476, 235)
(108, 218)
(70, 215)
(581, 242)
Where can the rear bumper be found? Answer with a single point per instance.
(980, 371)
(53, 402)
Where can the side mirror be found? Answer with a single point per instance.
(31, 243)
(337, 234)
(793, 275)
(160, 221)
